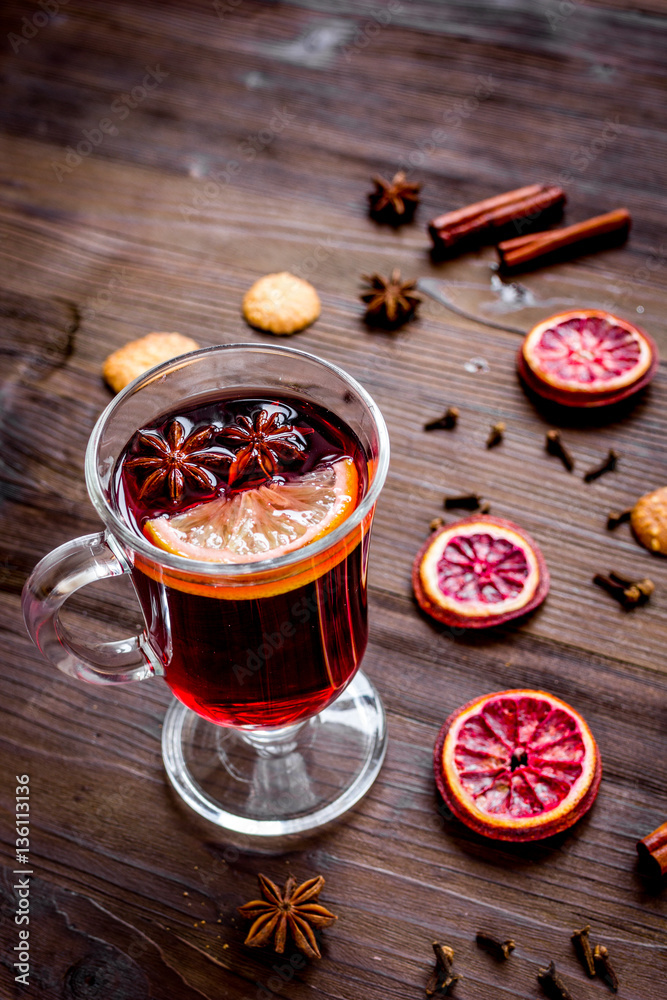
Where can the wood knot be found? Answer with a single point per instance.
(107, 974)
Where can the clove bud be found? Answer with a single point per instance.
(608, 465)
(629, 593)
(614, 519)
(495, 434)
(500, 950)
(446, 422)
(469, 501)
(582, 946)
(604, 967)
(442, 978)
(552, 984)
(555, 446)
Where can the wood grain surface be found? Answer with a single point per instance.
(251, 152)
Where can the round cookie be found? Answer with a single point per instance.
(281, 303)
(135, 358)
(649, 520)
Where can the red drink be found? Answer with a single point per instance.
(240, 479)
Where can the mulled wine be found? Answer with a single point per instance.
(240, 479)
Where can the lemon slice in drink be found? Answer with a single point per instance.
(263, 522)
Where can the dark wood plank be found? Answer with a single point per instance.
(146, 233)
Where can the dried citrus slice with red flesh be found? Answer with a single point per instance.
(587, 358)
(517, 765)
(480, 571)
(262, 522)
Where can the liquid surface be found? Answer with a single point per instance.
(225, 447)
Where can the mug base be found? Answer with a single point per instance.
(277, 784)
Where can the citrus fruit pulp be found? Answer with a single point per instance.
(517, 765)
(479, 572)
(586, 358)
(262, 522)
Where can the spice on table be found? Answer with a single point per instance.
(604, 967)
(442, 979)
(608, 465)
(390, 302)
(616, 518)
(495, 434)
(447, 422)
(528, 207)
(649, 520)
(436, 523)
(555, 446)
(629, 593)
(469, 501)
(582, 946)
(394, 201)
(533, 248)
(296, 909)
(652, 851)
(552, 984)
(500, 950)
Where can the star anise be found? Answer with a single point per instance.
(176, 460)
(390, 302)
(265, 442)
(295, 909)
(394, 201)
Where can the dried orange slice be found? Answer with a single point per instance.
(587, 358)
(517, 765)
(263, 522)
(480, 571)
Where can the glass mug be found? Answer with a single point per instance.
(224, 634)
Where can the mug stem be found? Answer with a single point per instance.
(273, 742)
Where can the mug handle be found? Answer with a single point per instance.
(59, 575)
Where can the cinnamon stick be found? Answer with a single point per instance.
(652, 851)
(528, 249)
(487, 205)
(485, 219)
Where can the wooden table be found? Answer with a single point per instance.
(247, 148)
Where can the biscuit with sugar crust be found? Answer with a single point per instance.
(649, 520)
(135, 358)
(281, 303)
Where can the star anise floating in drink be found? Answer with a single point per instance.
(394, 201)
(390, 302)
(295, 909)
(174, 460)
(266, 441)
